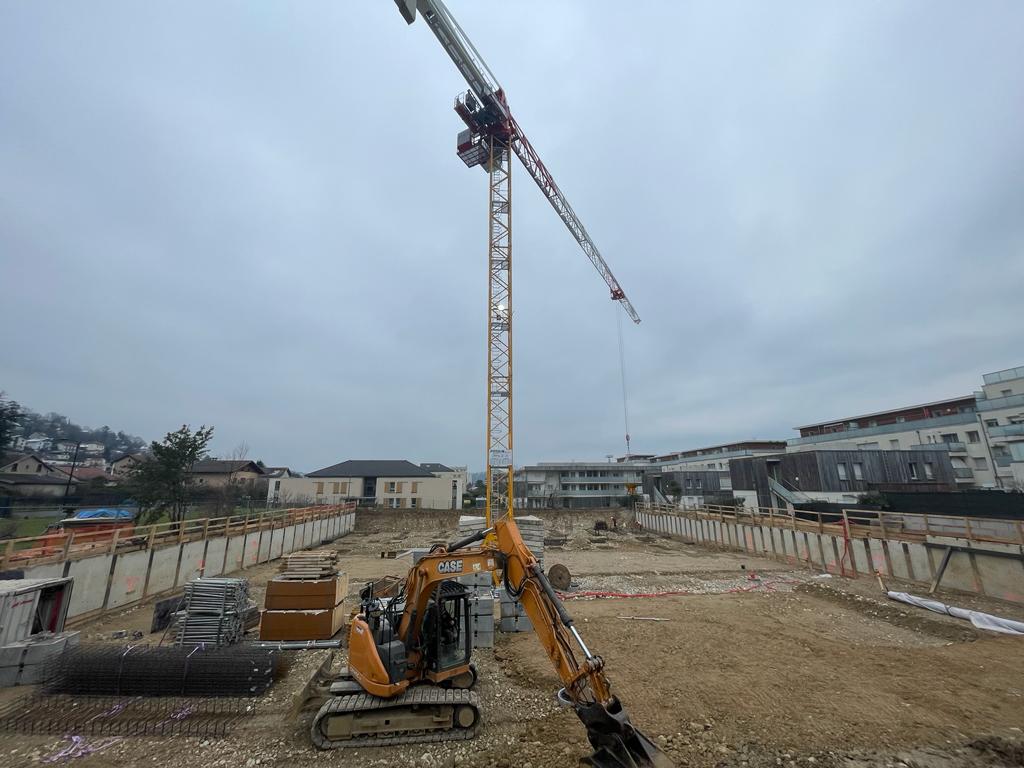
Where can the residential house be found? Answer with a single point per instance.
(124, 464)
(456, 477)
(219, 473)
(30, 464)
(397, 484)
(274, 477)
(37, 442)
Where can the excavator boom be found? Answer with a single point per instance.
(414, 641)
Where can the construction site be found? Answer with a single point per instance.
(723, 656)
(350, 621)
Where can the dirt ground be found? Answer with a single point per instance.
(756, 665)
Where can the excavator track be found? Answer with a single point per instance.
(423, 714)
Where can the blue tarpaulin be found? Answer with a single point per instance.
(112, 513)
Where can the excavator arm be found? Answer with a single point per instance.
(615, 740)
(404, 651)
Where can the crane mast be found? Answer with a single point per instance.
(491, 137)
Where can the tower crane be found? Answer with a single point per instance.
(491, 136)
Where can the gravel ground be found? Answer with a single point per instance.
(757, 665)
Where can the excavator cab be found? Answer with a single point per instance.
(446, 635)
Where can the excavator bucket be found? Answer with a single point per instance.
(616, 743)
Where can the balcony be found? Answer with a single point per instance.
(1008, 375)
(995, 403)
(952, 448)
(963, 474)
(1008, 430)
(888, 429)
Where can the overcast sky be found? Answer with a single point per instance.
(251, 215)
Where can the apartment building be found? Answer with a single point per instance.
(982, 434)
(397, 484)
(786, 480)
(578, 485)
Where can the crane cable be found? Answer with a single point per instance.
(622, 373)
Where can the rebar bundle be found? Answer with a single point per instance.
(147, 670)
(214, 612)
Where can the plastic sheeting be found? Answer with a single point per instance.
(111, 512)
(978, 619)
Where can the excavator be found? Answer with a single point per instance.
(409, 670)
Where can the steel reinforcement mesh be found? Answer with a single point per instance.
(123, 715)
(154, 671)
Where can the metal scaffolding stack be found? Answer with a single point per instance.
(214, 612)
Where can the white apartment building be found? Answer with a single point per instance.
(396, 484)
(578, 484)
(982, 433)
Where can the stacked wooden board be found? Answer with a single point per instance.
(305, 600)
(318, 564)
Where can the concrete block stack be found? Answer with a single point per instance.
(531, 528)
(513, 617)
(481, 616)
(25, 662)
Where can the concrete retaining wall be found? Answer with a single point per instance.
(107, 581)
(986, 568)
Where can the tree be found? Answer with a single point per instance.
(164, 483)
(10, 412)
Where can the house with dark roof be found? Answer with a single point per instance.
(125, 463)
(217, 473)
(29, 464)
(392, 483)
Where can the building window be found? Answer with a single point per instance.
(858, 471)
(344, 488)
(1007, 392)
(415, 487)
(697, 484)
(689, 483)
(334, 488)
(319, 489)
(392, 487)
(980, 462)
(929, 470)
(393, 503)
(841, 468)
(913, 470)
(991, 422)
(951, 437)
(894, 445)
(277, 485)
(414, 502)
(973, 437)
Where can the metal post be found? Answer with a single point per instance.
(499, 333)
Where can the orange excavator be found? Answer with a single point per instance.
(410, 675)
